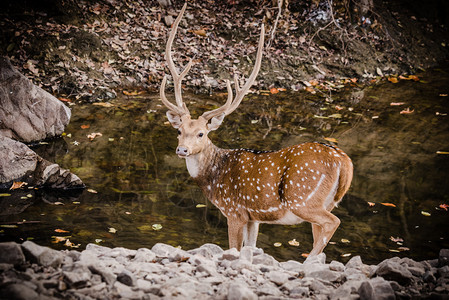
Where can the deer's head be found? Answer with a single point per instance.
(192, 134)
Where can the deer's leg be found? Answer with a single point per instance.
(252, 230)
(328, 224)
(235, 233)
(316, 231)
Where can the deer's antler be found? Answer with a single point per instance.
(180, 108)
(232, 104)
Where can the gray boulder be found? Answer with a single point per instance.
(20, 163)
(11, 253)
(376, 289)
(44, 256)
(391, 270)
(27, 112)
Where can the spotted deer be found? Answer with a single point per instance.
(295, 184)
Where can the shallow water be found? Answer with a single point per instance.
(135, 180)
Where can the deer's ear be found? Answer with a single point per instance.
(215, 122)
(174, 119)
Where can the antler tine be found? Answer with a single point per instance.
(232, 104)
(177, 78)
(167, 103)
(210, 114)
(240, 93)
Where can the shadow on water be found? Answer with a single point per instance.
(136, 181)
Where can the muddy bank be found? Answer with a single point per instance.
(87, 49)
(29, 271)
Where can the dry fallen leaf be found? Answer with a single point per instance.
(425, 213)
(200, 32)
(396, 239)
(397, 103)
(112, 230)
(346, 255)
(61, 231)
(371, 203)
(93, 135)
(103, 104)
(443, 206)
(346, 241)
(329, 139)
(392, 79)
(406, 111)
(293, 242)
(274, 90)
(388, 204)
(277, 244)
(156, 226)
(17, 185)
(85, 126)
(304, 254)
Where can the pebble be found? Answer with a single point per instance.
(29, 272)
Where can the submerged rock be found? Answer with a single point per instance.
(207, 272)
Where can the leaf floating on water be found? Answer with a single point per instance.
(443, 206)
(304, 254)
(346, 241)
(5, 195)
(92, 191)
(293, 242)
(8, 226)
(98, 241)
(397, 103)
(156, 226)
(397, 239)
(112, 230)
(17, 185)
(371, 203)
(200, 205)
(403, 249)
(394, 250)
(407, 111)
(58, 239)
(85, 126)
(94, 135)
(76, 202)
(425, 213)
(346, 255)
(443, 152)
(388, 204)
(277, 244)
(68, 243)
(58, 203)
(61, 231)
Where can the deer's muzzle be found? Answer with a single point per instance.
(182, 151)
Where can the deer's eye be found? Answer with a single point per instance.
(200, 134)
(179, 132)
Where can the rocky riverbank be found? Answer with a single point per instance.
(30, 271)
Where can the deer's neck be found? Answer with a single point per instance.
(205, 165)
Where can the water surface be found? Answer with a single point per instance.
(135, 180)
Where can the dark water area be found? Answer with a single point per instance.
(139, 192)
